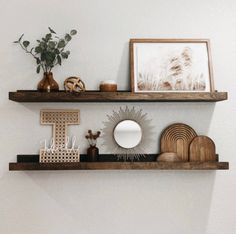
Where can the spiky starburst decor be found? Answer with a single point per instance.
(108, 133)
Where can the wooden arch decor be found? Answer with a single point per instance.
(202, 148)
(177, 138)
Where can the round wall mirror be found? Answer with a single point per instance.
(127, 134)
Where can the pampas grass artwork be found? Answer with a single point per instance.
(171, 67)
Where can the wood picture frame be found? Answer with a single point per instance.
(187, 53)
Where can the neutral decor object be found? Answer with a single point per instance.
(108, 86)
(74, 84)
(92, 151)
(177, 138)
(48, 52)
(168, 157)
(127, 133)
(171, 65)
(47, 84)
(59, 152)
(202, 148)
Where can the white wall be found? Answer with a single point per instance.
(115, 202)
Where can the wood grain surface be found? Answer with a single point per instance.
(176, 138)
(120, 166)
(202, 148)
(168, 157)
(120, 96)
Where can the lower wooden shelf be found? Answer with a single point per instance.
(120, 166)
(111, 162)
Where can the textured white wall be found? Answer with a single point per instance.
(98, 202)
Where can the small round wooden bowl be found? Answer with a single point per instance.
(108, 87)
(168, 157)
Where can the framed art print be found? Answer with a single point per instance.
(170, 65)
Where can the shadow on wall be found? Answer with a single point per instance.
(123, 73)
(122, 201)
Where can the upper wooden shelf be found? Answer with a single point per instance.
(120, 96)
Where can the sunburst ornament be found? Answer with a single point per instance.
(136, 123)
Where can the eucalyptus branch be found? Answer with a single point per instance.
(50, 49)
(30, 52)
(27, 51)
(61, 51)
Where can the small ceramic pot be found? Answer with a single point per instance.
(108, 86)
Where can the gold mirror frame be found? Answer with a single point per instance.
(119, 116)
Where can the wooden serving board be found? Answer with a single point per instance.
(177, 138)
(202, 148)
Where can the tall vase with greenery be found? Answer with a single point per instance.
(48, 53)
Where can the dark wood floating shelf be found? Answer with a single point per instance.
(111, 162)
(120, 166)
(120, 96)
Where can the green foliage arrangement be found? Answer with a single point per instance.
(49, 51)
